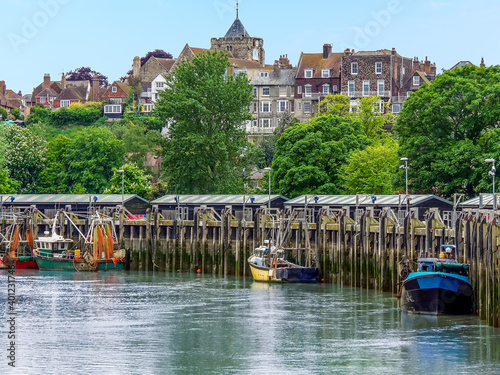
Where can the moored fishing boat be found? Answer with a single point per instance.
(98, 253)
(268, 264)
(14, 251)
(439, 286)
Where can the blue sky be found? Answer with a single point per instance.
(51, 36)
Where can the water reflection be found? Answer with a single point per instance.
(156, 323)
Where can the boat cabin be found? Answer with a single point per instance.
(442, 265)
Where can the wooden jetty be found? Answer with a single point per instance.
(362, 251)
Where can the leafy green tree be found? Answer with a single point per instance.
(140, 142)
(39, 114)
(4, 114)
(135, 181)
(7, 185)
(206, 150)
(16, 112)
(91, 158)
(76, 115)
(54, 179)
(309, 157)
(446, 130)
(372, 170)
(24, 156)
(158, 190)
(374, 115)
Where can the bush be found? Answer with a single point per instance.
(4, 114)
(76, 115)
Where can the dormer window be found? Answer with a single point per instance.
(114, 89)
(416, 80)
(325, 73)
(264, 74)
(308, 73)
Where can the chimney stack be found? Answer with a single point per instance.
(63, 81)
(393, 50)
(136, 66)
(482, 65)
(2, 88)
(95, 89)
(327, 51)
(46, 81)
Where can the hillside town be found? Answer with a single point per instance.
(283, 87)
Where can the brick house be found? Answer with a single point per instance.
(59, 94)
(318, 75)
(9, 99)
(380, 73)
(115, 96)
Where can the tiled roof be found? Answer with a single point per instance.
(385, 52)
(286, 76)
(237, 30)
(424, 77)
(70, 93)
(166, 63)
(197, 51)
(242, 63)
(316, 62)
(46, 93)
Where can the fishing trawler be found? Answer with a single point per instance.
(14, 251)
(439, 286)
(56, 253)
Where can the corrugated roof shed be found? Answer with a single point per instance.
(364, 200)
(68, 198)
(484, 201)
(215, 199)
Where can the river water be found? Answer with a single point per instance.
(145, 323)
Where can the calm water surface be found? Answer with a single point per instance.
(144, 323)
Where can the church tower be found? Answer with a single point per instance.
(239, 44)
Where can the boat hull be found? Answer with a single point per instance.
(20, 263)
(285, 274)
(437, 293)
(62, 264)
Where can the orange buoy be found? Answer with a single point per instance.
(198, 270)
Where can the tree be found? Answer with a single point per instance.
(24, 156)
(3, 114)
(54, 178)
(374, 115)
(309, 157)
(444, 130)
(372, 170)
(135, 181)
(86, 74)
(7, 185)
(16, 112)
(91, 158)
(39, 114)
(206, 150)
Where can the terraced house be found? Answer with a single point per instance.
(382, 73)
(318, 75)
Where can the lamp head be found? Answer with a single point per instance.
(404, 159)
(491, 160)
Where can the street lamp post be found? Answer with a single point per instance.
(269, 200)
(405, 167)
(493, 173)
(123, 182)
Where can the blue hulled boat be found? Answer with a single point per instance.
(440, 286)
